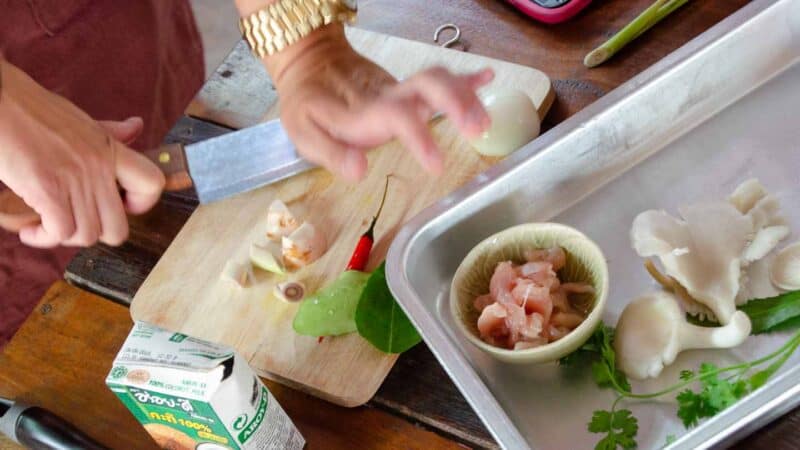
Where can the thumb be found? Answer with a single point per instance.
(125, 131)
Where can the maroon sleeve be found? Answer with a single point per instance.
(114, 59)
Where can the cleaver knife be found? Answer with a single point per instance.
(218, 168)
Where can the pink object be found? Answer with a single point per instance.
(550, 15)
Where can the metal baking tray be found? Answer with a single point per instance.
(721, 109)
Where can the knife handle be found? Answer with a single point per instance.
(171, 159)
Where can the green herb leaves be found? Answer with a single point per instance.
(767, 314)
(599, 352)
(716, 395)
(778, 313)
(620, 428)
(380, 320)
(330, 311)
(716, 392)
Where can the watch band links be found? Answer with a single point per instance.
(285, 22)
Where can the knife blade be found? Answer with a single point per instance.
(218, 168)
(232, 163)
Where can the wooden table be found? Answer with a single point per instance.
(417, 390)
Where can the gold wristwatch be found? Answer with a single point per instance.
(273, 28)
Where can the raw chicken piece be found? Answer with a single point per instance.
(533, 298)
(527, 305)
(503, 280)
(553, 255)
(567, 320)
(483, 301)
(492, 323)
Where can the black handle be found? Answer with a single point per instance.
(39, 429)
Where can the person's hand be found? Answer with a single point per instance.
(67, 167)
(335, 104)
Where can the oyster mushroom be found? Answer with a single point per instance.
(702, 252)
(785, 269)
(653, 330)
(707, 251)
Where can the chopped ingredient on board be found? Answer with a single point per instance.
(785, 269)
(360, 257)
(237, 272)
(652, 330)
(290, 291)
(267, 257)
(280, 221)
(304, 246)
(527, 305)
(379, 318)
(331, 311)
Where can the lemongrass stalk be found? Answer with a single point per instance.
(649, 17)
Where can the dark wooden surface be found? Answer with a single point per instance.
(418, 388)
(60, 358)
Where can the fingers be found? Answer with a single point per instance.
(113, 221)
(140, 178)
(453, 95)
(390, 117)
(125, 131)
(319, 147)
(87, 220)
(403, 112)
(52, 204)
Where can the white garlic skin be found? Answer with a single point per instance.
(515, 122)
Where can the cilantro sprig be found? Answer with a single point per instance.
(619, 427)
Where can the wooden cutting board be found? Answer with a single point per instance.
(184, 291)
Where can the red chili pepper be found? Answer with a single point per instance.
(361, 254)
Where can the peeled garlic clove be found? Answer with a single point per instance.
(515, 122)
(304, 246)
(267, 257)
(785, 270)
(290, 292)
(236, 272)
(280, 221)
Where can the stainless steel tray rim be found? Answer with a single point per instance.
(469, 198)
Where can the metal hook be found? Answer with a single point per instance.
(448, 26)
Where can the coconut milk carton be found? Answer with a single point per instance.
(196, 395)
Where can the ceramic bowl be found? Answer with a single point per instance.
(585, 263)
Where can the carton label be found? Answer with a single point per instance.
(196, 395)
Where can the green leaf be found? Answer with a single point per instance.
(689, 405)
(768, 313)
(624, 421)
(332, 310)
(601, 422)
(620, 428)
(686, 375)
(779, 313)
(380, 320)
(670, 439)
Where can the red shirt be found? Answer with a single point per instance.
(114, 59)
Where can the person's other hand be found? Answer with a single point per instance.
(336, 104)
(69, 167)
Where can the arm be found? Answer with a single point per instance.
(336, 104)
(66, 166)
